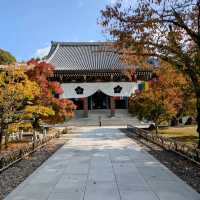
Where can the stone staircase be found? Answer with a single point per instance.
(122, 118)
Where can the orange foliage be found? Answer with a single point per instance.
(40, 72)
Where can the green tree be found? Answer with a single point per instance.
(6, 58)
(167, 29)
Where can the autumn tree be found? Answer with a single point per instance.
(41, 73)
(166, 29)
(18, 101)
(6, 57)
(164, 98)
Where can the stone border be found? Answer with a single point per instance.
(186, 151)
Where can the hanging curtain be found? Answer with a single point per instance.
(128, 88)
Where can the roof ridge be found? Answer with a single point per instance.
(81, 43)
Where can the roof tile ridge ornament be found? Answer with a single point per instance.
(53, 54)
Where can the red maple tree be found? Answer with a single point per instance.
(41, 72)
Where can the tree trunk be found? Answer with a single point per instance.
(6, 139)
(1, 139)
(156, 130)
(1, 136)
(156, 126)
(198, 117)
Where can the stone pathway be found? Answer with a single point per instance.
(102, 164)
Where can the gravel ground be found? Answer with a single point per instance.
(183, 168)
(12, 177)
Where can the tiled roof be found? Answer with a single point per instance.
(84, 56)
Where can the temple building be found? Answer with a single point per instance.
(93, 76)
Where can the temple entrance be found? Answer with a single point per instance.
(78, 103)
(99, 101)
(121, 103)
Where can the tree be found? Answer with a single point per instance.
(189, 103)
(6, 58)
(41, 73)
(164, 98)
(166, 29)
(18, 101)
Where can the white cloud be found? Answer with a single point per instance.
(113, 1)
(124, 2)
(40, 53)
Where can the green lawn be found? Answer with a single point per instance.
(186, 134)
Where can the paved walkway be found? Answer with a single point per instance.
(102, 164)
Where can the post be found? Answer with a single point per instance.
(85, 107)
(34, 139)
(21, 134)
(112, 106)
(100, 121)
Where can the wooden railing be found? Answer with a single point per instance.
(186, 151)
(15, 156)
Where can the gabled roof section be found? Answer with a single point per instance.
(84, 56)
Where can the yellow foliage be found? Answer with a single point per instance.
(39, 110)
(15, 87)
(18, 100)
(15, 127)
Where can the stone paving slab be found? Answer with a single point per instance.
(102, 164)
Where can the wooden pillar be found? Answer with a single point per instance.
(91, 103)
(85, 107)
(112, 106)
(127, 102)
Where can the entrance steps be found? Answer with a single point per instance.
(106, 113)
(121, 118)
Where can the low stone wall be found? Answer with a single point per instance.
(166, 143)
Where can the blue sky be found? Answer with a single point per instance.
(29, 26)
